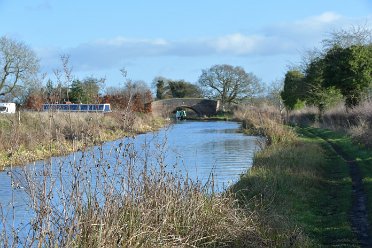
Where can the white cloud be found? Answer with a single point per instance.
(325, 18)
(311, 27)
(123, 41)
(237, 43)
(283, 38)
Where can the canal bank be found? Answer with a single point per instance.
(299, 194)
(303, 189)
(32, 136)
(153, 189)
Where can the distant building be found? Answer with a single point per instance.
(7, 108)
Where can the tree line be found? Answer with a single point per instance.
(22, 82)
(340, 71)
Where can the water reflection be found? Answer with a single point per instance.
(205, 147)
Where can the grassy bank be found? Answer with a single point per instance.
(299, 187)
(30, 136)
(353, 152)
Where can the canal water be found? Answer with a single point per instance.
(198, 150)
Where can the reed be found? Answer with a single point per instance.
(267, 122)
(118, 198)
(30, 136)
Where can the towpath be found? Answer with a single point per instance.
(359, 209)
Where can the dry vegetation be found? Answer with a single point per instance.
(125, 200)
(265, 121)
(137, 201)
(355, 122)
(299, 197)
(30, 136)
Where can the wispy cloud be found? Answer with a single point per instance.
(238, 44)
(282, 38)
(322, 20)
(111, 52)
(306, 31)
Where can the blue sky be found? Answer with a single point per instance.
(175, 39)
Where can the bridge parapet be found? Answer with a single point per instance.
(200, 106)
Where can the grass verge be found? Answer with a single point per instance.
(352, 151)
(300, 188)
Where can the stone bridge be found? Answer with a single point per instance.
(201, 106)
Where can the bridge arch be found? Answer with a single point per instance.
(183, 107)
(201, 106)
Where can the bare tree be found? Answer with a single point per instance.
(228, 83)
(274, 94)
(64, 76)
(18, 66)
(355, 35)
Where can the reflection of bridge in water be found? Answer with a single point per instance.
(201, 106)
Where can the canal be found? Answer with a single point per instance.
(199, 151)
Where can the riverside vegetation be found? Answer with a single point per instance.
(129, 201)
(294, 195)
(300, 186)
(30, 136)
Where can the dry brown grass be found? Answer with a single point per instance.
(356, 122)
(30, 136)
(266, 122)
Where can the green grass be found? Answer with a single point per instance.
(332, 203)
(362, 155)
(302, 192)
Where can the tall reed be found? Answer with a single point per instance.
(117, 197)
